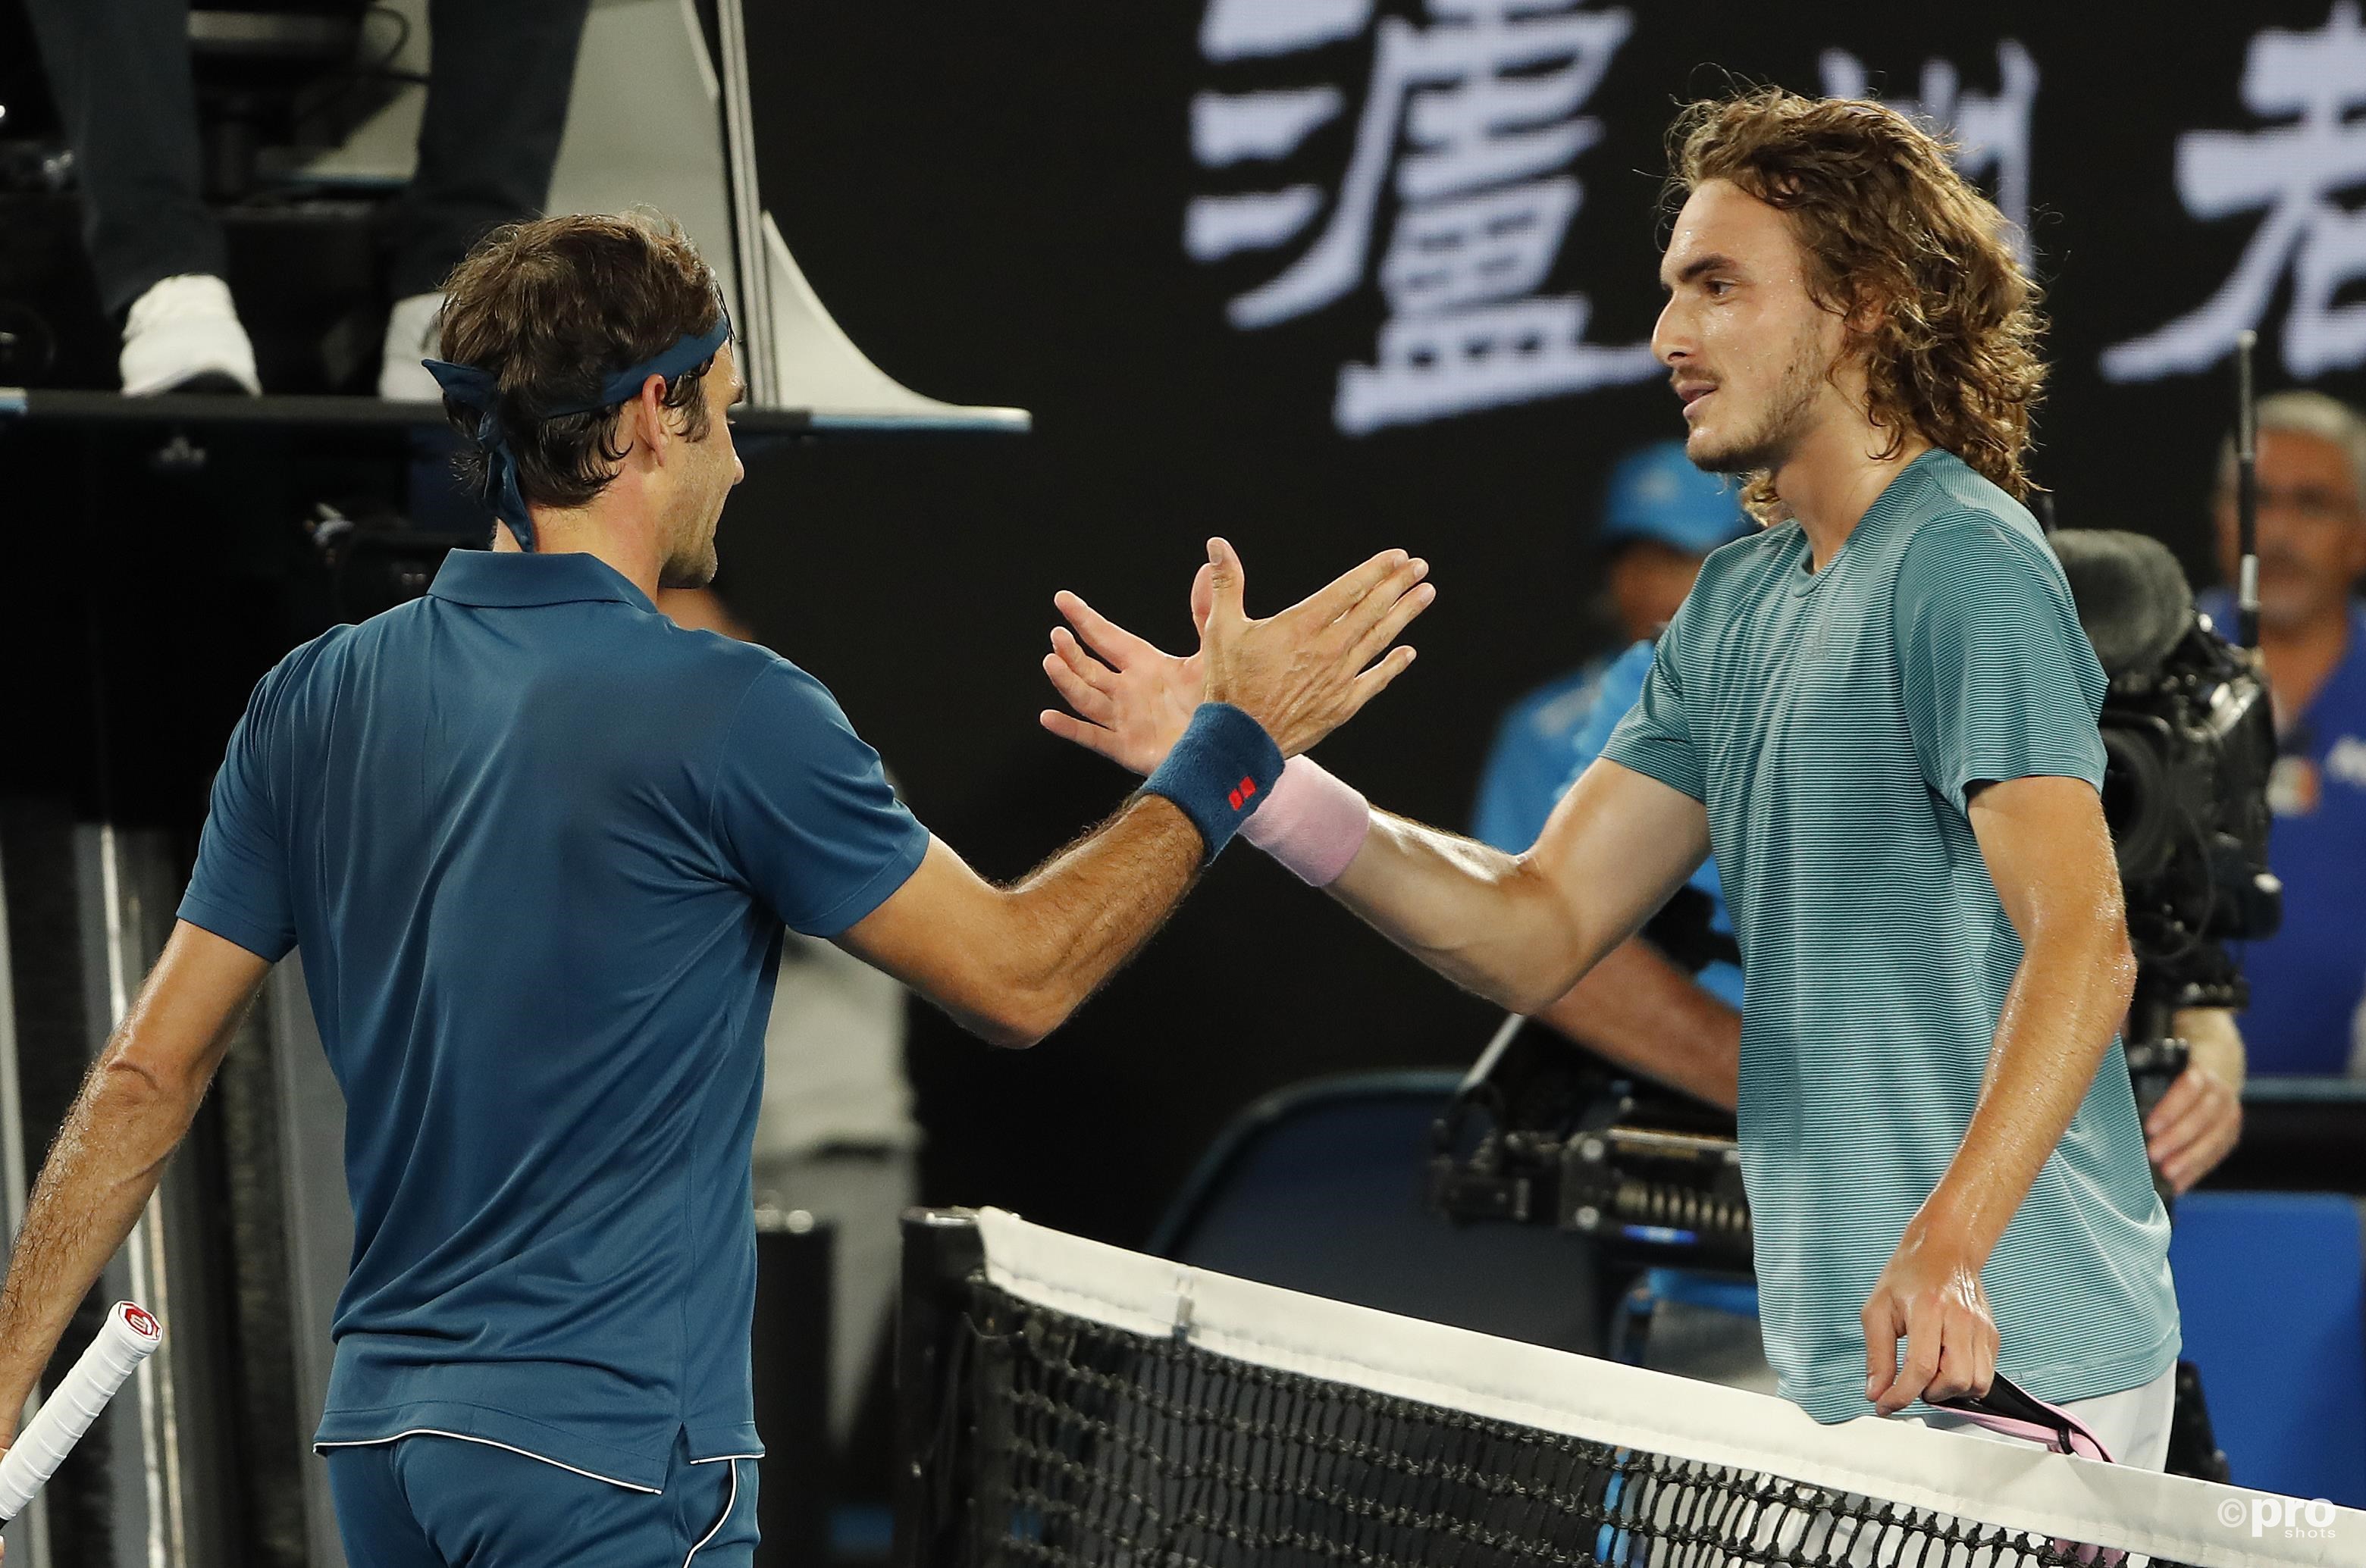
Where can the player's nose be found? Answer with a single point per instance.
(1669, 340)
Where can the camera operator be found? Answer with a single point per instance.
(2308, 980)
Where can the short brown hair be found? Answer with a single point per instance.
(552, 309)
(1889, 223)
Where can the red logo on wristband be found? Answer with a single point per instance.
(1242, 793)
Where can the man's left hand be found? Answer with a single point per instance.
(1929, 1296)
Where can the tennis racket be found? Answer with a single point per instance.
(124, 1340)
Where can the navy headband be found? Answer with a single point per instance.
(480, 390)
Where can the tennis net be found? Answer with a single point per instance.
(1065, 1403)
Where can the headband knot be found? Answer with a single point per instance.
(480, 390)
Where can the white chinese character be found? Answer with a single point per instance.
(1991, 132)
(1473, 122)
(1481, 357)
(1231, 129)
(1451, 90)
(2293, 172)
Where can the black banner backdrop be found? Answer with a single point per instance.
(998, 203)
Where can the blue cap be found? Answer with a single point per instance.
(1657, 494)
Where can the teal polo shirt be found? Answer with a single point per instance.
(536, 844)
(1834, 724)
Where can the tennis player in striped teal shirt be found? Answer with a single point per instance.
(1881, 712)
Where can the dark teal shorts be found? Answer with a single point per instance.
(433, 1501)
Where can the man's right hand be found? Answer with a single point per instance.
(1301, 674)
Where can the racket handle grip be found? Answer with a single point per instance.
(124, 1340)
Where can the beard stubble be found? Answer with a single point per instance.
(1789, 410)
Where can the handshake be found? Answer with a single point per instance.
(1300, 674)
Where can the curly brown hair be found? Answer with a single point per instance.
(553, 308)
(1893, 231)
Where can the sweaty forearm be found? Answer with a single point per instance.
(1642, 1012)
(1489, 922)
(124, 1125)
(1074, 921)
(2067, 1001)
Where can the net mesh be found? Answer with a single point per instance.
(1084, 1444)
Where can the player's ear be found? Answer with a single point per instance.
(649, 416)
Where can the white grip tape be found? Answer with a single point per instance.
(123, 1342)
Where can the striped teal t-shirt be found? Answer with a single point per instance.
(1832, 724)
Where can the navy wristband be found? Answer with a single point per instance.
(1219, 770)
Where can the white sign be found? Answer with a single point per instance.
(1471, 120)
(2290, 174)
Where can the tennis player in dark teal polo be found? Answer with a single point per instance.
(536, 846)
(1880, 714)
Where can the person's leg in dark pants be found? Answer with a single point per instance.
(119, 70)
(498, 82)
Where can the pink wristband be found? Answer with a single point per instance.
(1312, 823)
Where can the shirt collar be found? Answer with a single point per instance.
(499, 579)
(1907, 485)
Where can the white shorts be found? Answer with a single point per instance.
(2133, 1424)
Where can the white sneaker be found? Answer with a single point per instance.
(183, 336)
(411, 333)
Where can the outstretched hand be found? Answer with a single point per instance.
(1301, 674)
(1131, 708)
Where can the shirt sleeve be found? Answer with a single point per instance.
(239, 888)
(2000, 679)
(803, 810)
(1655, 736)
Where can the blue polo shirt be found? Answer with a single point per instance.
(2309, 979)
(1529, 763)
(536, 844)
(1550, 736)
